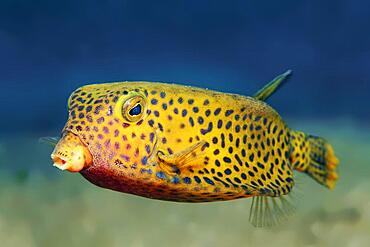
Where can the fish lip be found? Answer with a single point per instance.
(64, 162)
(59, 160)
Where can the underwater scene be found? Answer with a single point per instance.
(191, 161)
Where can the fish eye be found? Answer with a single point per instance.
(136, 110)
(133, 108)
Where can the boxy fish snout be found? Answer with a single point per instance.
(71, 154)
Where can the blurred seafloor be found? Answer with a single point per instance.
(41, 206)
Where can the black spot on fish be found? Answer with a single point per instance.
(217, 111)
(251, 157)
(228, 113)
(227, 159)
(227, 171)
(209, 129)
(219, 124)
(228, 125)
(191, 121)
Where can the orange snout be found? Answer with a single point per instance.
(71, 154)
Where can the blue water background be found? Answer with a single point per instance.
(49, 48)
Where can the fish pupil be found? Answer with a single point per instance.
(135, 110)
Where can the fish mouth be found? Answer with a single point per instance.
(71, 154)
(59, 163)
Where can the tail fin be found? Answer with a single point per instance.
(314, 156)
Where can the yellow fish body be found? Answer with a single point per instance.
(187, 144)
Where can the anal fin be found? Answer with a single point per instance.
(270, 211)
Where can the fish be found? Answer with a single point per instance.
(181, 143)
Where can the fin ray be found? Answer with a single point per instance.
(270, 211)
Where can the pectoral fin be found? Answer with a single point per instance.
(180, 161)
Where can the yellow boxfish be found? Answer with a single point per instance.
(187, 144)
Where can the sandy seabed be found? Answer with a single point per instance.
(41, 206)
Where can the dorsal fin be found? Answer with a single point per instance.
(272, 86)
